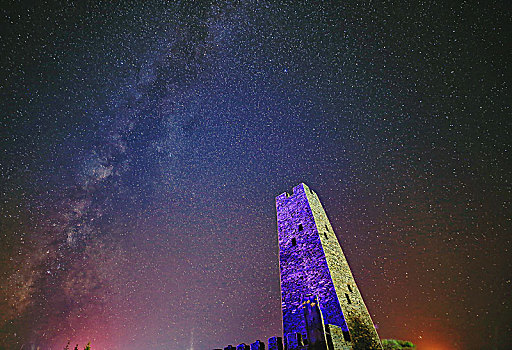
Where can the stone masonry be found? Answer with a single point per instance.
(312, 263)
(321, 303)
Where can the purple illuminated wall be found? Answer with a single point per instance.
(304, 269)
(312, 263)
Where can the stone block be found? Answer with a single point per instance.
(294, 341)
(275, 343)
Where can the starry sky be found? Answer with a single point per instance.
(143, 145)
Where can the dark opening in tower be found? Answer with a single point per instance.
(346, 335)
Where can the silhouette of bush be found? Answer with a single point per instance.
(394, 344)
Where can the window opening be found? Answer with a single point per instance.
(325, 234)
(348, 298)
(294, 242)
(349, 288)
(300, 227)
(326, 227)
(346, 335)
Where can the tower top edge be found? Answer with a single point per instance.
(300, 188)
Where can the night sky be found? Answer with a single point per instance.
(143, 145)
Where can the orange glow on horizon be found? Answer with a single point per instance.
(436, 343)
(432, 345)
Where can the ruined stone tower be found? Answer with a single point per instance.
(322, 306)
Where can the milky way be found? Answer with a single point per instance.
(142, 147)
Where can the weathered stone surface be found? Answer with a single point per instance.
(294, 341)
(275, 343)
(312, 263)
(304, 269)
(337, 338)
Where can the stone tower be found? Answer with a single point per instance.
(315, 273)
